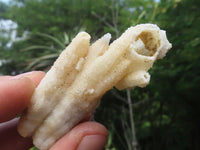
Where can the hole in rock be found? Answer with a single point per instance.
(151, 42)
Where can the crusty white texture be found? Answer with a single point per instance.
(83, 73)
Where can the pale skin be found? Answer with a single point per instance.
(15, 94)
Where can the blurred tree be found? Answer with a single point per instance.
(67, 16)
(167, 112)
(172, 120)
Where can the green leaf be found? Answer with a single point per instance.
(62, 45)
(38, 47)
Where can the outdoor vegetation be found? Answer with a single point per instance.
(163, 116)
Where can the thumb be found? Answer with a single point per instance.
(85, 136)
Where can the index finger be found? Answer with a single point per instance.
(16, 92)
(4, 77)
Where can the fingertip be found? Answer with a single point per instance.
(92, 142)
(35, 76)
(91, 127)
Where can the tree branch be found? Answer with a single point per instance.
(134, 140)
(103, 20)
(119, 96)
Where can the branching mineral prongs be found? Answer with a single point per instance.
(69, 111)
(81, 76)
(90, 84)
(42, 102)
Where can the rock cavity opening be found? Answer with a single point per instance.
(148, 43)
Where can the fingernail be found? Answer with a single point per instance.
(16, 77)
(21, 75)
(93, 142)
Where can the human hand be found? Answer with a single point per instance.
(15, 94)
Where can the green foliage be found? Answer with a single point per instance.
(46, 60)
(175, 80)
(166, 112)
(34, 148)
